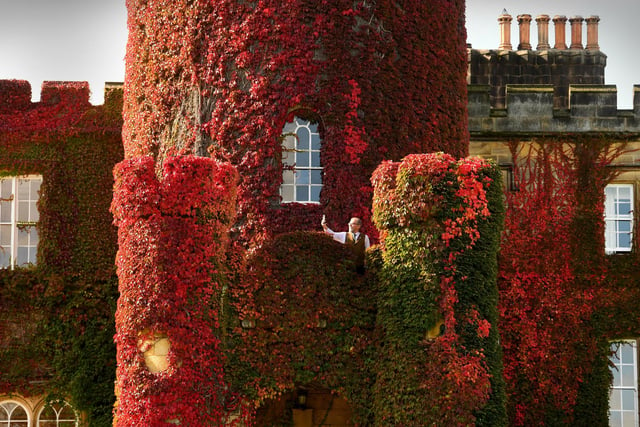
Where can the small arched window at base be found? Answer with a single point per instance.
(58, 414)
(302, 171)
(13, 414)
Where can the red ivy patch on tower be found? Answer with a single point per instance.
(173, 239)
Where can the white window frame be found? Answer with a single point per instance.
(60, 406)
(623, 394)
(4, 404)
(302, 170)
(18, 232)
(616, 222)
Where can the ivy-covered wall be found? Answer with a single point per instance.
(561, 298)
(57, 316)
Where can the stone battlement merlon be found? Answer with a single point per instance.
(531, 109)
(15, 95)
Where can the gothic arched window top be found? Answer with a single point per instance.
(13, 414)
(302, 171)
(57, 414)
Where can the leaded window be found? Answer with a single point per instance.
(58, 414)
(12, 414)
(302, 170)
(18, 219)
(618, 218)
(623, 397)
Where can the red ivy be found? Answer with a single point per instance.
(172, 238)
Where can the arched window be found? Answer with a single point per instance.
(13, 414)
(302, 173)
(58, 414)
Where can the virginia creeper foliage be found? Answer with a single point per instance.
(430, 209)
(56, 333)
(382, 79)
(172, 240)
(554, 283)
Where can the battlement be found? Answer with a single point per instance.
(15, 95)
(531, 109)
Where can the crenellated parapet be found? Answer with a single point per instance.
(15, 95)
(531, 109)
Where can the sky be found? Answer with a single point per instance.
(85, 39)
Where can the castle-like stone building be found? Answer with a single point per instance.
(56, 185)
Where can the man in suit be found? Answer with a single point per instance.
(358, 242)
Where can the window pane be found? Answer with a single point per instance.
(5, 188)
(315, 141)
(287, 193)
(23, 189)
(23, 237)
(302, 176)
(624, 226)
(628, 400)
(32, 255)
(19, 414)
(48, 414)
(628, 419)
(23, 211)
(316, 176)
(624, 207)
(5, 234)
(616, 376)
(287, 177)
(624, 240)
(615, 402)
(315, 159)
(5, 257)
(313, 127)
(67, 413)
(615, 418)
(626, 354)
(628, 376)
(302, 160)
(303, 138)
(289, 142)
(23, 256)
(5, 211)
(302, 193)
(624, 192)
(315, 193)
(288, 158)
(35, 187)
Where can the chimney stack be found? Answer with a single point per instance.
(592, 32)
(559, 22)
(543, 32)
(505, 31)
(524, 21)
(576, 32)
